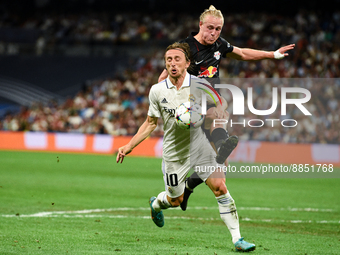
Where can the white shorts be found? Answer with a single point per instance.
(175, 172)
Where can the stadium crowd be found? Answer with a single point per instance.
(118, 105)
(313, 32)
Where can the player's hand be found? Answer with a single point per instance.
(283, 49)
(122, 152)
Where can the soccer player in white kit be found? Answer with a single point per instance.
(183, 149)
(208, 48)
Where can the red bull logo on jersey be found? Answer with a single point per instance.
(208, 73)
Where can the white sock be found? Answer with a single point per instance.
(228, 213)
(222, 166)
(161, 202)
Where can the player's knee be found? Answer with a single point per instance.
(209, 118)
(219, 189)
(212, 123)
(226, 115)
(210, 114)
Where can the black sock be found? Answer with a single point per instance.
(218, 136)
(194, 180)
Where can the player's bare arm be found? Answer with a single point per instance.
(144, 131)
(163, 75)
(251, 54)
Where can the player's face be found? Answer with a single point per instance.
(175, 63)
(210, 29)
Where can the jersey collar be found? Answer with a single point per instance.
(186, 82)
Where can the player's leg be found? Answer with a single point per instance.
(194, 180)
(221, 142)
(227, 208)
(215, 179)
(226, 204)
(174, 177)
(162, 202)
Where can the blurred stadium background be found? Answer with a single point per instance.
(85, 67)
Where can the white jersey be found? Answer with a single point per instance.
(164, 99)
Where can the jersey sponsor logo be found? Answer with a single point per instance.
(197, 63)
(164, 101)
(217, 55)
(170, 111)
(210, 72)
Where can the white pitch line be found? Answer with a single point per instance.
(87, 211)
(285, 209)
(59, 215)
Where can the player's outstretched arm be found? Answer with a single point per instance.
(283, 52)
(143, 132)
(163, 75)
(251, 54)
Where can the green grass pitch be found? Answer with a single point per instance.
(55, 203)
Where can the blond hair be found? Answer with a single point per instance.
(213, 12)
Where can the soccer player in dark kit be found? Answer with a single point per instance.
(207, 49)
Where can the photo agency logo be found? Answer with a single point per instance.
(301, 96)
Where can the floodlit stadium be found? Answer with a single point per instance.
(75, 79)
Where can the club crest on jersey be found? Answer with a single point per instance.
(191, 98)
(170, 190)
(217, 55)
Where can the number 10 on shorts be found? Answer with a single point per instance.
(171, 180)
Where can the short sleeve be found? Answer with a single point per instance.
(153, 104)
(228, 48)
(202, 86)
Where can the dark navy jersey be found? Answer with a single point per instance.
(206, 58)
